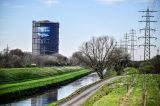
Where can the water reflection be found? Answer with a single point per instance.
(56, 94)
(44, 99)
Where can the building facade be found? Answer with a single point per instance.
(45, 37)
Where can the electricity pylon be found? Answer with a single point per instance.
(158, 51)
(132, 42)
(147, 35)
(126, 38)
(123, 44)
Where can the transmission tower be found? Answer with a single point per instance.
(124, 43)
(147, 35)
(120, 43)
(6, 50)
(158, 51)
(132, 42)
(126, 38)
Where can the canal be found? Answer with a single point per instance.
(56, 94)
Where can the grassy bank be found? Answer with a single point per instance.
(127, 91)
(153, 90)
(109, 74)
(12, 75)
(102, 92)
(22, 89)
(77, 92)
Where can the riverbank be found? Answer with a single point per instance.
(77, 92)
(10, 92)
(127, 91)
(13, 75)
(71, 96)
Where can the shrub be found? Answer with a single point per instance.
(134, 64)
(146, 67)
(156, 64)
(110, 72)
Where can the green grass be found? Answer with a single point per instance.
(130, 70)
(110, 72)
(103, 91)
(77, 92)
(7, 88)
(112, 99)
(135, 98)
(153, 91)
(12, 75)
(112, 94)
(80, 90)
(29, 87)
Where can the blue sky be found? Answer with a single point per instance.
(79, 20)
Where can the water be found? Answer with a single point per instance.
(56, 94)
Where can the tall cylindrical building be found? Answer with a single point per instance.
(45, 37)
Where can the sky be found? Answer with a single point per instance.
(79, 21)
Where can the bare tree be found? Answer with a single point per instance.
(62, 60)
(74, 60)
(96, 53)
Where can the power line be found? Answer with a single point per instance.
(147, 35)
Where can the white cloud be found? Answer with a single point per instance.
(109, 1)
(51, 2)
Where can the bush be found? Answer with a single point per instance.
(130, 70)
(134, 64)
(156, 64)
(146, 67)
(150, 66)
(51, 63)
(110, 72)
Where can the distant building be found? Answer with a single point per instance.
(45, 37)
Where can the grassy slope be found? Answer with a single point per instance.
(153, 90)
(7, 88)
(112, 99)
(12, 75)
(77, 92)
(108, 75)
(111, 94)
(102, 92)
(21, 89)
(135, 98)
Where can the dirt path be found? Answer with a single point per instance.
(77, 100)
(125, 97)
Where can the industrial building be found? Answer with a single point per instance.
(45, 37)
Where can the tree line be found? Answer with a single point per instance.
(18, 58)
(100, 54)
